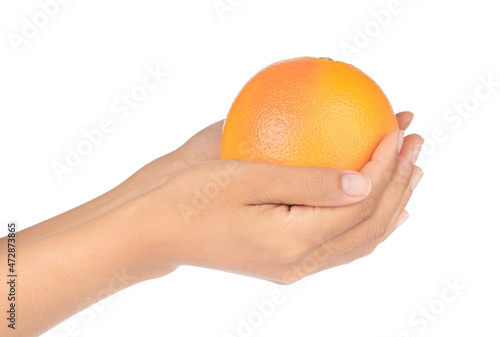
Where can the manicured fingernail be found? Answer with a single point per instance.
(416, 152)
(402, 218)
(356, 185)
(416, 179)
(401, 139)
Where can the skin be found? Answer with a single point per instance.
(191, 208)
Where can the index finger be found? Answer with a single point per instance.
(328, 222)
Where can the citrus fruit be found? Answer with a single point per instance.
(308, 112)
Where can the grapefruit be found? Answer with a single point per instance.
(308, 112)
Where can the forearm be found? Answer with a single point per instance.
(61, 274)
(147, 178)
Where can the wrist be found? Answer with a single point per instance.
(150, 176)
(154, 233)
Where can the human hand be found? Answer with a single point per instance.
(275, 222)
(203, 146)
(263, 220)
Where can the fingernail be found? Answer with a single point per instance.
(401, 139)
(416, 179)
(416, 152)
(356, 185)
(402, 218)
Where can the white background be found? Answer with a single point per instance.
(428, 58)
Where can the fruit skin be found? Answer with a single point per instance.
(308, 112)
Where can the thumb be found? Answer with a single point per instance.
(312, 186)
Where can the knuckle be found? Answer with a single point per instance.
(289, 275)
(347, 246)
(367, 250)
(246, 182)
(368, 206)
(315, 184)
(375, 230)
(361, 253)
(403, 175)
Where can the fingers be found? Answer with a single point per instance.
(319, 224)
(312, 186)
(398, 219)
(379, 222)
(212, 131)
(327, 222)
(404, 119)
(401, 214)
(204, 145)
(215, 127)
(354, 187)
(380, 170)
(375, 227)
(402, 218)
(364, 251)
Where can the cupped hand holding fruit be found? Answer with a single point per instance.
(315, 173)
(203, 146)
(276, 222)
(325, 117)
(291, 110)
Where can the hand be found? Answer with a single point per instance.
(269, 221)
(203, 146)
(275, 222)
